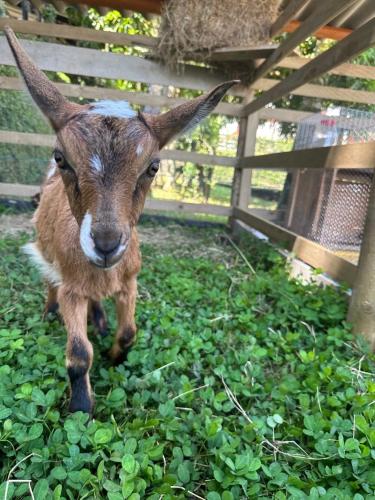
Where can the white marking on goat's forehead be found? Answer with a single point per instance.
(96, 163)
(118, 109)
(139, 149)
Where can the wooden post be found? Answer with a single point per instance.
(362, 305)
(246, 146)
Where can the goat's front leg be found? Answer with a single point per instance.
(126, 329)
(79, 351)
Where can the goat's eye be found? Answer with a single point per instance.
(153, 168)
(59, 159)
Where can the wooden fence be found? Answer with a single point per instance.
(249, 110)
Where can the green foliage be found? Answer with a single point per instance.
(49, 13)
(240, 385)
(23, 164)
(3, 9)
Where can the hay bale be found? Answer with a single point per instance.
(193, 29)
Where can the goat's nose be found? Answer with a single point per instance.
(107, 242)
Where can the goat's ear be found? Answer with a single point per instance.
(184, 117)
(48, 98)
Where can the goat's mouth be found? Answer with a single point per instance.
(102, 249)
(108, 260)
(105, 260)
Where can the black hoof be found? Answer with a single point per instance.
(81, 402)
(119, 358)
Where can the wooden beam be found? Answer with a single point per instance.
(291, 10)
(345, 156)
(152, 6)
(18, 190)
(320, 92)
(349, 47)
(362, 304)
(27, 139)
(242, 53)
(246, 146)
(179, 206)
(318, 18)
(89, 34)
(79, 61)
(133, 97)
(332, 32)
(284, 115)
(45, 140)
(27, 191)
(77, 33)
(143, 99)
(200, 159)
(345, 69)
(312, 253)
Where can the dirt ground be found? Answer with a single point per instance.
(179, 241)
(14, 224)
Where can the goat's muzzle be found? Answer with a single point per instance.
(103, 246)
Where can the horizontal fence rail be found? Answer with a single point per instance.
(91, 35)
(28, 191)
(77, 33)
(79, 61)
(101, 64)
(345, 69)
(309, 252)
(319, 92)
(133, 97)
(48, 140)
(345, 156)
(144, 99)
(348, 156)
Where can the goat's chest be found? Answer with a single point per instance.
(85, 279)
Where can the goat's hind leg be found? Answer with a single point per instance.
(126, 329)
(98, 317)
(79, 351)
(51, 305)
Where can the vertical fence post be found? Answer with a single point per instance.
(362, 305)
(246, 147)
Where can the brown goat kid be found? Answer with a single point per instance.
(105, 159)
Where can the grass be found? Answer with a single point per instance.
(243, 384)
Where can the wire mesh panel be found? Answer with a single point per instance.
(340, 197)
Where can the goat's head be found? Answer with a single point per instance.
(107, 156)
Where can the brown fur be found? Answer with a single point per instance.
(112, 195)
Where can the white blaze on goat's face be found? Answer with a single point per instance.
(89, 249)
(86, 241)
